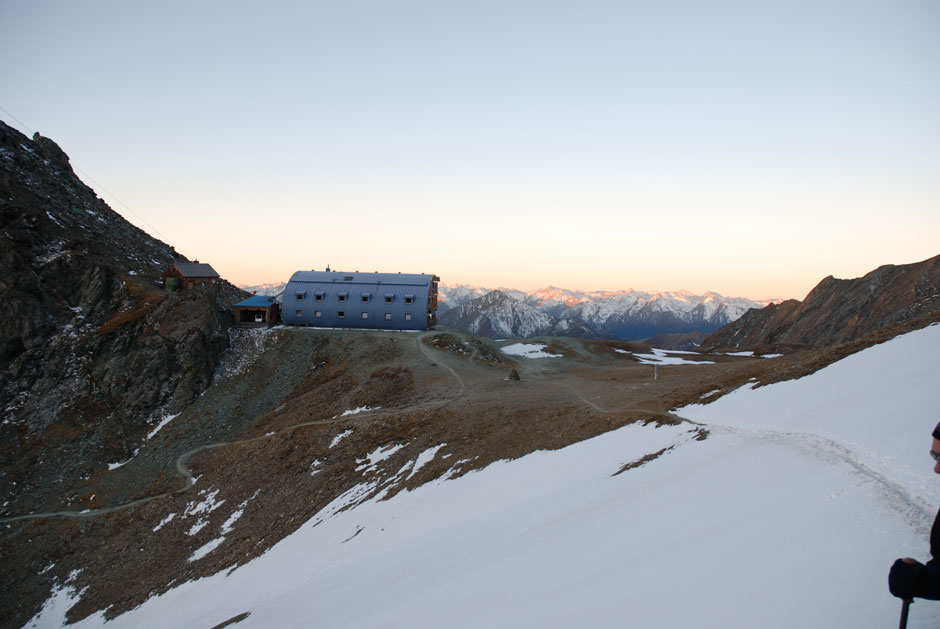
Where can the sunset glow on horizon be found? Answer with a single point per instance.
(750, 149)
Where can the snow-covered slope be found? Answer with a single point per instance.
(788, 515)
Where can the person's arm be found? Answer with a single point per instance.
(935, 542)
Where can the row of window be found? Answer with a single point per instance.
(342, 315)
(366, 297)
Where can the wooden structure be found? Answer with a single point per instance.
(257, 311)
(191, 274)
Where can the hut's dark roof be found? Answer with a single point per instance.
(347, 278)
(195, 269)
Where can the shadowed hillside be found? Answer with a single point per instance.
(94, 350)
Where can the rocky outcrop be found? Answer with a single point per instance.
(92, 346)
(839, 311)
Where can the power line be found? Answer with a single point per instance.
(89, 178)
(25, 126)
(126, 206)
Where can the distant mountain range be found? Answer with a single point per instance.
(269, 290)
(552, 311)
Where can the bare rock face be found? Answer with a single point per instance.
(91, 344)
(839, 311)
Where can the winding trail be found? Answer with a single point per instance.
(914, 509)
(182, 460)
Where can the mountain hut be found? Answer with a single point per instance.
(189, 274)
(380, 301)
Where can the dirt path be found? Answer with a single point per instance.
(433, 356)
(563, 381)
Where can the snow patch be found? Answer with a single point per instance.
(665, 357)
(204, 550)
(198, 526)
(340, 437)
(54, 610)
(359, 409)
(424, 458)
(227, 525)
(207, 505)
(375, 457)
(528, 350)
(114, 466)
(164, 522)
(163, 422)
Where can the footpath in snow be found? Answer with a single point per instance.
(788, 515)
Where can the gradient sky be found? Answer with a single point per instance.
(750, 148)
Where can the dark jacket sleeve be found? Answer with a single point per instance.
(935, 542)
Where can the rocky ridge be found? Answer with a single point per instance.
(94, 349)
(838, 311)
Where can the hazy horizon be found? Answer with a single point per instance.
(746, 149)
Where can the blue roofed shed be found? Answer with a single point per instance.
(383, 301)
(256, 312)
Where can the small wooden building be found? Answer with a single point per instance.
(190, 274)
(257, 311)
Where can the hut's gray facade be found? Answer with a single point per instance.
(383, 301)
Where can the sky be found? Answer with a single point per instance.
(747, 148)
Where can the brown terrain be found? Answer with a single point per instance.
(281, 394)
